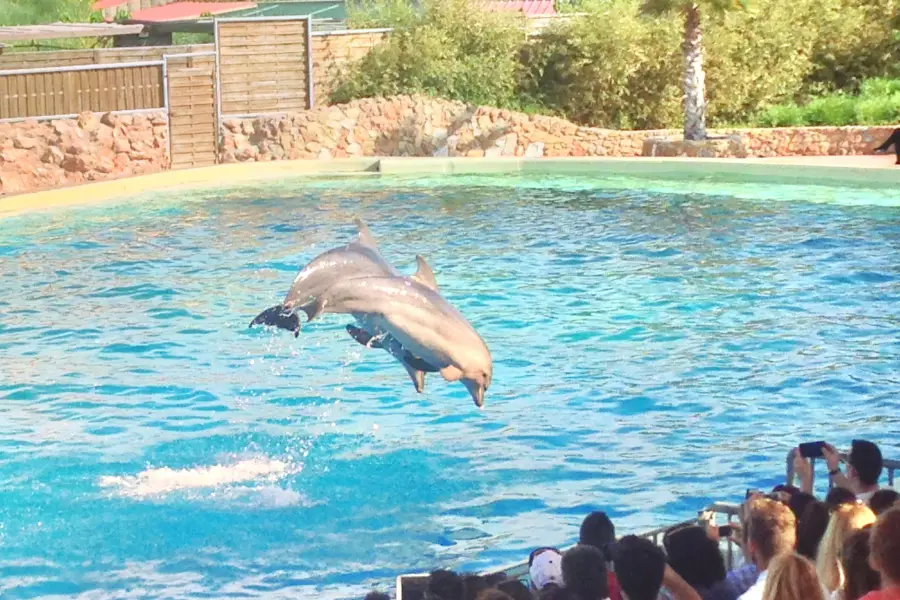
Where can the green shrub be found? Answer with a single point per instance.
(878, 110)
(612, 68)
(879, 86)
(783, 115)
(363, 14)
(834, 110)
(449, 48)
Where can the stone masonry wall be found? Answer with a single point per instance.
(334, 53)
(36, 155)
(421, 126)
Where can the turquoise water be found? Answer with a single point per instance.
(657, 345)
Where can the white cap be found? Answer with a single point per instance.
(546, 568)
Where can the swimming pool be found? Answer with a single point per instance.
(658, 344)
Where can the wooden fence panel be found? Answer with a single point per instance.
(193, 130)
(334, 52)
(72, 92)
(263, 66)
(100, 56)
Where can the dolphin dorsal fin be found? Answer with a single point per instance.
(365, 236)
(424, 274)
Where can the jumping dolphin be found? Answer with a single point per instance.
(419, 319)
(359, 258)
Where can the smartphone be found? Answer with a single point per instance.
(725, 531)
(811, 449)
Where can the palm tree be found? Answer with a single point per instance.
(693, 79)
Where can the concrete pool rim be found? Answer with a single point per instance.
(800, 171)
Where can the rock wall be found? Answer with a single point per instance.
(334, 52)
(36, 155)
(421, 126)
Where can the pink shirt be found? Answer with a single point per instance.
(889, 594)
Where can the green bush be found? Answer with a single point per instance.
(784, 115)
(884, 110)
(613, 68)
(834, 110)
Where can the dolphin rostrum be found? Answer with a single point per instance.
(419, 319)
(359, 258)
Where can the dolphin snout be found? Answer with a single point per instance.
(476, 390)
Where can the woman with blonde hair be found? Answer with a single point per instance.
(845, 521)
(792, 577)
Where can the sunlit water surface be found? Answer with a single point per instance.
(657, 345)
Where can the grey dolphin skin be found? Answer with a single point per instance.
(417, 317)
(359, 258)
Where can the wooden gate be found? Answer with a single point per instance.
(193, 126)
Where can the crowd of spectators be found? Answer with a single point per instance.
(793, 546)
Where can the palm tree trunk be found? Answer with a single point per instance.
(694, 78)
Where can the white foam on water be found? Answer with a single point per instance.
(164, 480)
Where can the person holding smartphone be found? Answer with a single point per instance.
(864, 466)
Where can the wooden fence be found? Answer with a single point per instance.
(264, 65)
(334, 52)
(98, 56)
(193, 126)
(71, 90)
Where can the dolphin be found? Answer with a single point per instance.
(419, 319)
(359, 258)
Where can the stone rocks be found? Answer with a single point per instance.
(40, 154)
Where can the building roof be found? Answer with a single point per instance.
(317, 9)
(179, 11)
(530, 8)
(58, 31)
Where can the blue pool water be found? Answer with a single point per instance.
(657, 345)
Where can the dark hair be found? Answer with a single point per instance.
(695, 557)
(640, 565)
(584, 572)
(472, 585)
(859, 577)
(837, 496)
(865, 458)
(598, 531)
(377, 596)
(882, 500)
(771, 527)
(515, 589)
(884, 545)
(790, 490)
(492, 594)
(811, 528)
(551, 591)
(799, 502)
(446, 585)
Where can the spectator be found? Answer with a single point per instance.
(474, 585)
(515, 589)
(811, 529)
(884, 555)
(771, 530)
(838, 496)
(860, 577)
(882, 500)
(798, 503)
(698, 560)
(492, 594)
(844, 521)
(741, 579)
(584, 572)
(544, 568)
(642, 571)
(598, 531)
(792, 577)
(445, 585)
(864, 466)
(784, 492)
(555, 592)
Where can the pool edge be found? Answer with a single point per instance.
(797, 170)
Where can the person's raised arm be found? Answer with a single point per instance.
(803, 470)
(833, 460)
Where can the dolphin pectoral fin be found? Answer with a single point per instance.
(424, 274)
(417, 363)
(313, 309)
(451, 373)
(280, 318)
(417, 376)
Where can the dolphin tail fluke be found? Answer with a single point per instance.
(279, 317)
